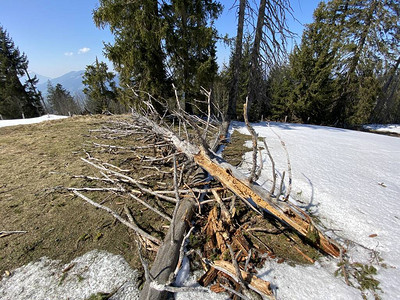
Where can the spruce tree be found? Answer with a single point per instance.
(137, 52)
(16, 99)
(312, 67)
(190, 45)
(60, 100)
(99, 86)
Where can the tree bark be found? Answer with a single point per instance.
(168, 254)
(255, 54)
(233, 92)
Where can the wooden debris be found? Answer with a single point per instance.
(7, 233)
(259, 285)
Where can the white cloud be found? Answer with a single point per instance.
(83, 50)
(69, 53)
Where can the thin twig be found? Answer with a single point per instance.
(7, 233)
(151, 207)
(181, 254)
(119, 218)
(289, 189)
(254, 137)
(237, 269)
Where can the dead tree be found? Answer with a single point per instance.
(194, 142)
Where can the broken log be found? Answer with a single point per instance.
(293, 216)
(168, 254)
(260, 286)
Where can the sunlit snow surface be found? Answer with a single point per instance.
(13, 122)
(351, 181)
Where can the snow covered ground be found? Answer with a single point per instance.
(395, 128)
(13, 122)
(351, 181)
(95, 272)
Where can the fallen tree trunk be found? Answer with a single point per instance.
(168, 254)
(234, 180)
(293, 216)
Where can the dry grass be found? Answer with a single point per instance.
(34, 159)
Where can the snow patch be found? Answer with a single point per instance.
(94, 272)
(14, 122)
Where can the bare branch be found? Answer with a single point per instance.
(272, 167)
(119, 218)
(288, 163)
(254, 138)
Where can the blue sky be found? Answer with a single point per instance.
(60, 36)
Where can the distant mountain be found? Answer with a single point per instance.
(41, 78)
(72, 82)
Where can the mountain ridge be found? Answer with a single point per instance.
(71, 81)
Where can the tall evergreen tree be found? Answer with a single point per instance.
(190, 45)
(99, 86)
(16, 99)
(61, 101)
(137, 52)
(346, 62)
(312, 67)
(368, 42)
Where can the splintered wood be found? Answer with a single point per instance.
(232, 179)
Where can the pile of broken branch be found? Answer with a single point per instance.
(209, 207)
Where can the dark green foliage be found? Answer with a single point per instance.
(16, 99)
(99, 87)
(137, 52)
(345, 71)
(360, 276)
(161, 42)
(60, 100)
(190, 45)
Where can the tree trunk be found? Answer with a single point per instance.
(255, 54)
(168, 254)
(230, 177)
(233, 91)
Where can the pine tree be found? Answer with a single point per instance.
(280, 93)
(16, 99)
(346, 61)
(61, 101)
(99, 86)
(368, 43)
(190, 45)
(312, 67)
(137, 52)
